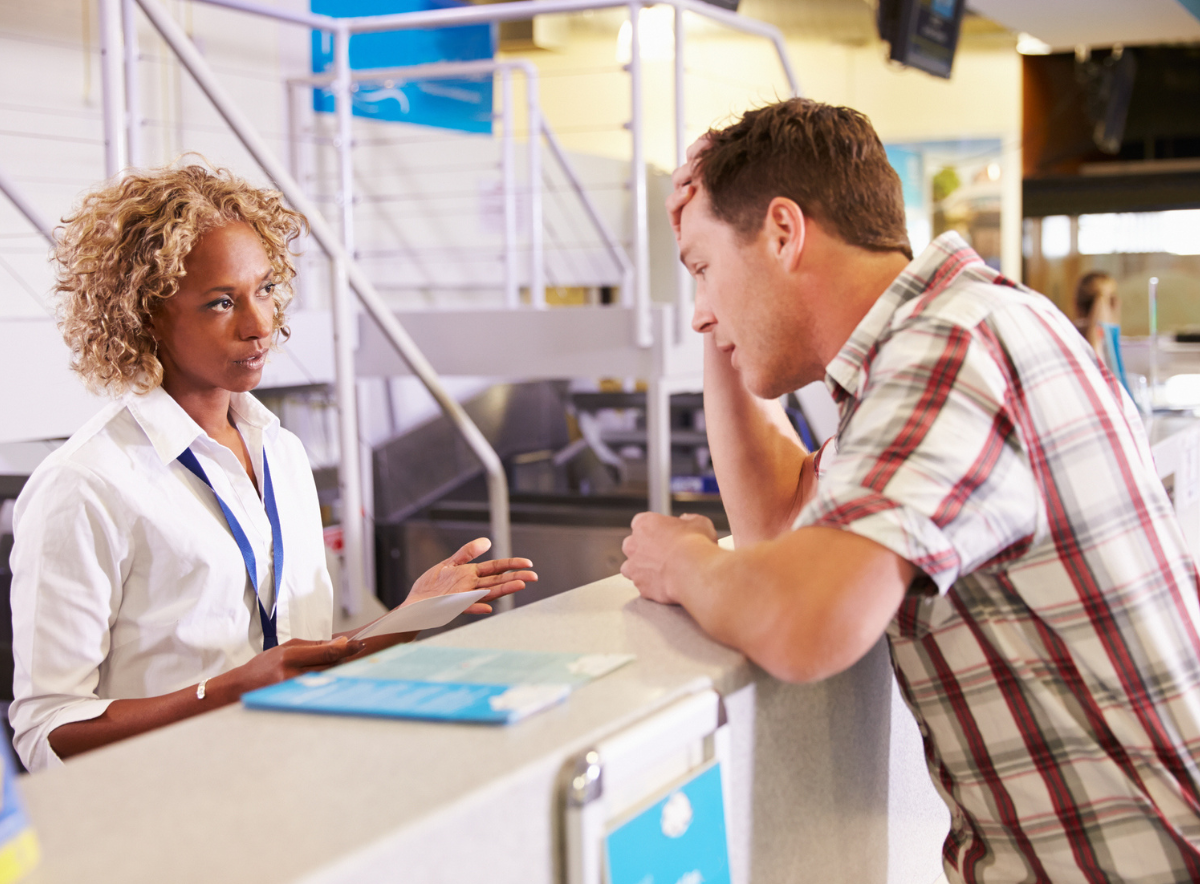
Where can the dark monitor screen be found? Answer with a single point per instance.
(923, 33)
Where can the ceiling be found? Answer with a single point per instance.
(1065, 24)
(838, 21)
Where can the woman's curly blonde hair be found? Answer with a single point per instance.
(121, 254)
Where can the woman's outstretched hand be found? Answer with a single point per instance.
(458, 574)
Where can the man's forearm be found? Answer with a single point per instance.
(805, 606)
(762, 468)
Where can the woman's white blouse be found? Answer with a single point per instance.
(127, 582)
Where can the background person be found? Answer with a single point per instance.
(1098, 318)
(989, 503)
(169, 557)
(1097, 304)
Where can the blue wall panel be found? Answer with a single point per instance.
(459, 103)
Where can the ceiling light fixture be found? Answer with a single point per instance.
(1027, 44)
(656, 27)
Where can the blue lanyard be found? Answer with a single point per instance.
(270, 635)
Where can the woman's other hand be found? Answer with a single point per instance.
(459, 574)
(125, 718)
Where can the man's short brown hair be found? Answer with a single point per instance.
(827, 159)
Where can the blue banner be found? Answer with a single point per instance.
(464, 104)
(679, 840)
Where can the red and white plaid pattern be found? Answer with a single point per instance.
(1052, 655)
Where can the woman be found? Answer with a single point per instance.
(1098, 318)
(1097, 308)
(135, 543)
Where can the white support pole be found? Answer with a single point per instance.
(786, 63)
(537, 255)
(344, 107)
(508, 178)
(367, 293)
(112, 88)
(354, 475)
(289, 127)
(133, 86)
(683, 280)
(658, 443)
(366, 462)
(345, 332)
(643, 333)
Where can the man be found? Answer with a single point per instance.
(989, 503)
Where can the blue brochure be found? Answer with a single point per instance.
(678, 840)
(439, 684)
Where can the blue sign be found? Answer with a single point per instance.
(910, 166)
(463, 103)
(680, 840)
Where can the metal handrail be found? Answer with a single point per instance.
(22, 205)
(497, 482)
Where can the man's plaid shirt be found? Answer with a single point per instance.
(1052, 656)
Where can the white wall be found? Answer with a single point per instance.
(587, 98)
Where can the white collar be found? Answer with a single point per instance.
(170, 429)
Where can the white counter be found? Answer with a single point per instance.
(834, 774)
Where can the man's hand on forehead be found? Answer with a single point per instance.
(683, 187)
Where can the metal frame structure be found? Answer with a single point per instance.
(22, 205)
(122, 125)
(537, 124)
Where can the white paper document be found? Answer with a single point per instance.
(425, 614)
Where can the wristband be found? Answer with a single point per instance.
(200, 689)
